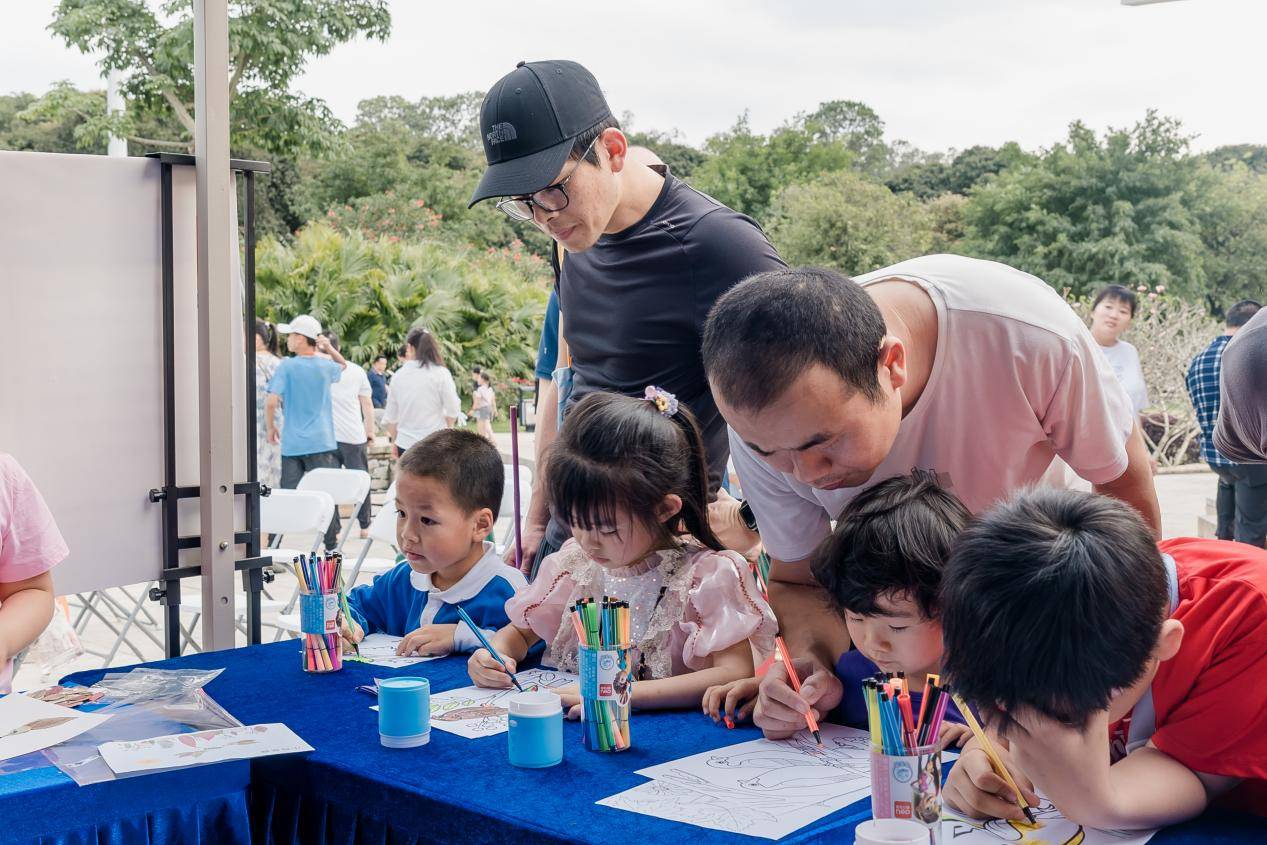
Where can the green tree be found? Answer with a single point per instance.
(1231, 204)
(270, 43)
(1253, 156)
(1094, 210)
(846, 221)
(683, 159)
(855, 125)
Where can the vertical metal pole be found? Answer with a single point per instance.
(218, 315)
(171, 552)
(253, 577)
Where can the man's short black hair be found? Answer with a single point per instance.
(767, 330)
(333, 338)
(1050, 602)
(465, 462)
(1242, 312)
(1119, 293)
(583, 141)
(891, 541)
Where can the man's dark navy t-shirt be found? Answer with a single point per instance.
(634, 304)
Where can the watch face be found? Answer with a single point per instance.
(746, 514)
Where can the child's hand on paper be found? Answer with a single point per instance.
(734, 700)
(428, 641)
(487, 672)
(953, 734)
(975, 790)
(780, 710)
(350, 632)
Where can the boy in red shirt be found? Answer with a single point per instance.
(1127, 679)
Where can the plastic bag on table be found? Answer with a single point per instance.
(150, 685)
(79, 758)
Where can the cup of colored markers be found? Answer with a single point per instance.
(321, 605)
(905, 757)
(605, 664)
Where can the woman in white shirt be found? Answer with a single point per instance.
(422, 397)
(1111, 313)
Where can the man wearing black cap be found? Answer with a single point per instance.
(647, 255)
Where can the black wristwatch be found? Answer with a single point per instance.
(745, 513)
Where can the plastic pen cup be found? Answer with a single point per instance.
(319, 623)
(908, 787)
(890, 832)
(606, 684)
(535, 730)
(404, 712)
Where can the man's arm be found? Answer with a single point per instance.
(1135, 486)
(324, 347)
(367, 414)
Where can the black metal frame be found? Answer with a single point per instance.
(253, 566)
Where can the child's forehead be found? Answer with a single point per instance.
(893, 604)
(423, 491)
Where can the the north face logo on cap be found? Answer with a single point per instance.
(500, 133)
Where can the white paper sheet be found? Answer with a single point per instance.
(28, 725)
(474, 712)
(380, 650)
(1052, 829)
(194, 749)
(766, 788)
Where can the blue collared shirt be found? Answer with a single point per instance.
(1203, 387)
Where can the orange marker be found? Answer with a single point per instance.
(796, 685)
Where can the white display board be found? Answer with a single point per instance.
(81, 377)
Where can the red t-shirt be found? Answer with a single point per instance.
(1210, 699)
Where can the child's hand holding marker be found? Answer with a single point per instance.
(953, 734)
(976, 790)
(780, 710)
(427, 641)
(485, 671)
(350, 632)
(733, 702)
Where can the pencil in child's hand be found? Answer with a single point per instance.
(810, 721)
(995, 760)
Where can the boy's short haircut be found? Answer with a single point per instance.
(891, 540)
(465, 462)
(1117, 293)
(1050, 602)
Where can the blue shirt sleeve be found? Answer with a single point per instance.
(379, 607)
(548, 347)
(277, 384)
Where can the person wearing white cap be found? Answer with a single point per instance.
(301, 385)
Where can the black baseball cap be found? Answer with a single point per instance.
(529, 120)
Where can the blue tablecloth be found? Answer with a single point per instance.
(204, 805)
(456, 790)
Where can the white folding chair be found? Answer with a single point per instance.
(345, 486)
(382, 530)
(294, 512)
(504, 527)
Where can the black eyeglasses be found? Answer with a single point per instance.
(549, 199)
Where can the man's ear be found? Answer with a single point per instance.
(893, 360)
(1169, 639)
(617, 146)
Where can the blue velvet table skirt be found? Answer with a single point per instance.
(352, 791)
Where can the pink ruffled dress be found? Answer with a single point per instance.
(685, 604)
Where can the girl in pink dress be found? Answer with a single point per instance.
(630, 476)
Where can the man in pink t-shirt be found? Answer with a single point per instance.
(30, 546)
(967, 368)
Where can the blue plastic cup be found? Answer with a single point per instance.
(535, 730)
(404, 712)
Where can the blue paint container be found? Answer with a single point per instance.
(535, 735)
(404, 712)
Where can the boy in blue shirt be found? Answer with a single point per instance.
(448, 492)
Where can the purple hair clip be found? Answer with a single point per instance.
(665, 402)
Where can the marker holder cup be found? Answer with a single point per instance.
(606, 682)
(908, 787)
(319, 618)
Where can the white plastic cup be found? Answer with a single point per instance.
(890, 832)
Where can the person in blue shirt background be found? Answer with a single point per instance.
(448, 492)
(378, 382)
(301, 385)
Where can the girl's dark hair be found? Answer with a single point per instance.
(426, 347)
(1118, 292)
(267, 332)
(620, 453)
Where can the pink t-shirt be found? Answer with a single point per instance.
(1017, 382)
(30, 543)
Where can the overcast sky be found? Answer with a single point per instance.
(941, 73)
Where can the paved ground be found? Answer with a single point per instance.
(1183, 498)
